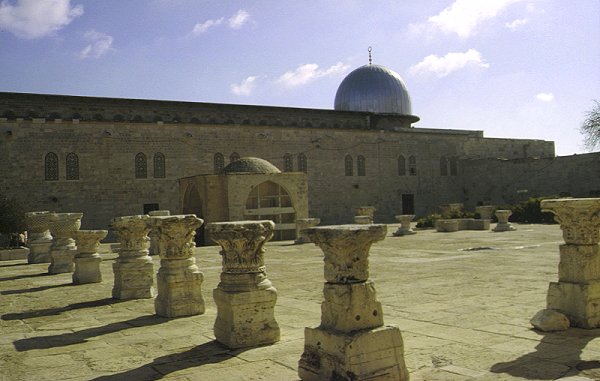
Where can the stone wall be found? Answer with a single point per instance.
(106, 147)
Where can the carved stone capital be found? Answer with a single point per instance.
(132, 232)
(62, 225)
(365, 211)
(579, 218)
(38, 225)
(242, 244)
(175, 235)
(346, 249)
(503, 215)
(87, 241)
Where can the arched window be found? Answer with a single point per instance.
(401, 166)
(141, 166)
(360, 166)
(219, 162)
(302, 164)
(288, 165)
(233, 157)
(412, 166)
(349, 170)
(51, 166)
(443, 166)
(453, 166)
(72, 166)
(159, 165)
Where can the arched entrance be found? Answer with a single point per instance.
(270, 201)
(192, 204)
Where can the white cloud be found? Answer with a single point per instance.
(443, 66)
(304, 74)
(37, 18)
(516, 24)
(463, 17)
(239, 19)
(234, 22)
(203, 27)
(99, 45)
(545, 97)
(245, 87)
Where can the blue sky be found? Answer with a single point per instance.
(512, 68)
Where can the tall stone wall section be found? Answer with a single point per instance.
(499, 182)
(110, 132)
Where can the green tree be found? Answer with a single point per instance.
(12, 218)
(590, 127)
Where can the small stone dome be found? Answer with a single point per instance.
(373, 88)
(250, 165)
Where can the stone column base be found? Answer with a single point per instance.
(39, 252)
(579, 302)
(87, 270)
(506, 227)
(61, 261)
(375, 354)
(402, 231)
(246, 319)
(133, 280)
(179, 284)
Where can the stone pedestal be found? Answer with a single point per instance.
(39, 239)
(352, 342)
(363, 220)
(503, 224)
(179, 281)
(63, 249)
(153, 250)
(577, 292)
(404, 228)
(485, 211)
(87, 260)
(245, 298)
(133, 269)
(304, 223)
(364, 215)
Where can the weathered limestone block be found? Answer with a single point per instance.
(503, 224)
(304, 223)
(63, 249)
(485, 211)
(549, 321)
(577, 292)
(245, 298)
(446, 226)
(352, 342)
(363, 220)
(39, 239)
(87, 260)
(153, 250)
(133, 269)
(179, 281)
(404, 228)
(365, 211)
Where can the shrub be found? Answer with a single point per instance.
(428, 221)
(530, 212)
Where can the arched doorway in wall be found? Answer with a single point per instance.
(270, 201)
(192, 204)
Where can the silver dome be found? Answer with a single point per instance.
(373, 88)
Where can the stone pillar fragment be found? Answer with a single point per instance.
(133, 269)
(364, 215)
(352, 342)
(577, 292)
(153, 250)
(503, 224)
(179, 281)
(485, 211)
(404, 228)
(39, 238)
(245, 298)
(63, 249)
(304, 223)
(87, 260)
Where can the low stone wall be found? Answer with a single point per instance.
(13, 254)
(456, 224)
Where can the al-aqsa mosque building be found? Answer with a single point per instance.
(109, 157)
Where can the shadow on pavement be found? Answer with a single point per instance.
(208, 353)
(16, 264)
(16, 277)
(539, 365)
(35, 289)
(45, 342)
(60, 310)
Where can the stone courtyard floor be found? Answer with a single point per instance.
(464, 315)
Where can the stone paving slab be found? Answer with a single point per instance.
(462, 301)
